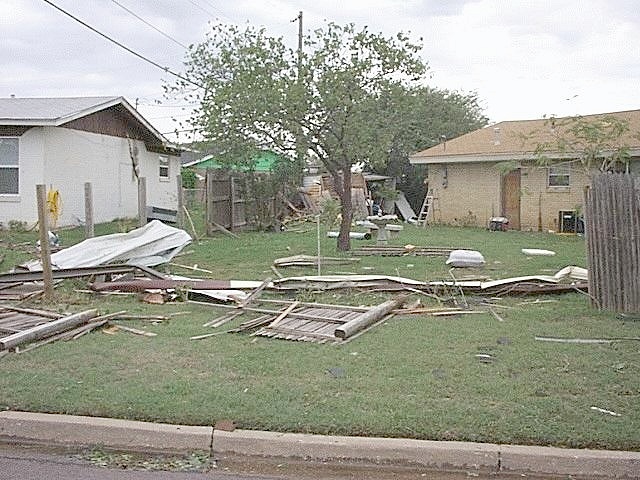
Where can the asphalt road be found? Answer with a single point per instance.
(24, 463)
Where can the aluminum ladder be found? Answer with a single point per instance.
(427, 205)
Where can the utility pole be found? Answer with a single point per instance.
(299, 19)
(299, 141)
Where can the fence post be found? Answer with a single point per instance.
(142, 201)
(208, 198)
(89, 230)
(45, 250)
(232, 200)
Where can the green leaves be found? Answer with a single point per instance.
(351, 96)
(597, 142)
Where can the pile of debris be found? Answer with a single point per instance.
(121, 264)
(23, 329)
(318, 322)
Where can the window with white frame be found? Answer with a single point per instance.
(559, 176)
(164, 167)
(9, 166)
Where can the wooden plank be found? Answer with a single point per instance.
(255, 293)
(285, 312)
(89, 230)
(45, 248)
(46, 329)
(142, 201)
(404, 208)
(180, 210)
(275, 312)
(369, 318)
(219, 321)
(135, 331)
(319, 305)
(31, 311)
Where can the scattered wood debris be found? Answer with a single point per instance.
(330, 282)
(107, 271)
(309, 322)
(309, 260)
(135, 331)
(392, 251)
(23, 329)
(193, 268)
(255, 293)
(153, 298)
(608, 412)
(45, 329)
(587, 340)
(20, 291)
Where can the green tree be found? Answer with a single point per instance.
(423, 118)
(598, 143)
(333, 100)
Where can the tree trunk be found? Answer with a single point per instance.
(344, 242)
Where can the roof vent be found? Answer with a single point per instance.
(496, 135)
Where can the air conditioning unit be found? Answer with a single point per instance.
(567, 221)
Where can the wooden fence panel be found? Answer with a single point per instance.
(232, 204)
(612, 210)
(225, 202)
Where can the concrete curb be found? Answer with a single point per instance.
(58, 430)
(375, 451)
(71, 430)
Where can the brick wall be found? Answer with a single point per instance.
(541, 201)
(465, 194)
(469, 194)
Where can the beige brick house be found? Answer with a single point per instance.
(496, 171)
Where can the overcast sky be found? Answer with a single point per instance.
(524, 58)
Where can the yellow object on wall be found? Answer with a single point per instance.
(54, 206)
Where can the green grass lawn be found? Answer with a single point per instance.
(413, 376)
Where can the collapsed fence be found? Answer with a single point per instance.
(612, 209)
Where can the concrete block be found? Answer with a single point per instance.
(394, 230)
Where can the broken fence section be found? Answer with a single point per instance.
(25, 326)
(318, 323)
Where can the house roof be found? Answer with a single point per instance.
(54, 112)
(516, 140)
(264, 162)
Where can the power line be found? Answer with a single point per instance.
(133, 52)
(154, 105)
(166, 35)
(184, 130)
(208, 12)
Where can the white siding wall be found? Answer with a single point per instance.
(64, 159)
(23, 207)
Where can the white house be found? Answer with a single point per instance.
(65, 142)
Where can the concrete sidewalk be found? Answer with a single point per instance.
(78, 431)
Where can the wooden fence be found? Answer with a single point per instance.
(612, 211)
(225, 203)
(232, 205)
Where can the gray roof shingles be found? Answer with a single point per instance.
(47, 109)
